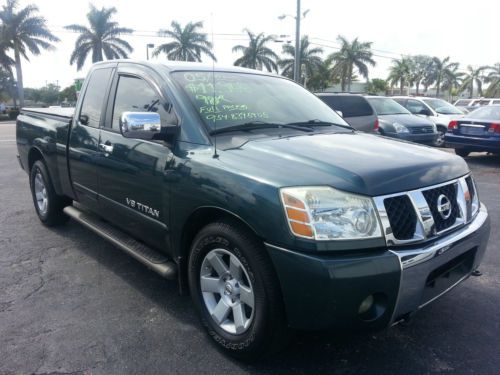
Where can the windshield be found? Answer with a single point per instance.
(387, 106)
(242, 98)
(442, 107)
(491, 112)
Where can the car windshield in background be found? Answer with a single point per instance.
(242, 98)
(463, 102)
(486, 113)
(387, 106)
(442, 107)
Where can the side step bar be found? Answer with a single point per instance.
(144, 254)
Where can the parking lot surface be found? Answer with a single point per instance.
(70, 303)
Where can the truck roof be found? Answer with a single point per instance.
(173, 66)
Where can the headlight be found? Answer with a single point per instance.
(400, 128)
(324, 213)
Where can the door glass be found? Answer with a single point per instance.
(136, 95)
(94, 96)
(414, 106)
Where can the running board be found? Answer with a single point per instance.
(144, 254)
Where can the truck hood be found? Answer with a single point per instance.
(355, 162)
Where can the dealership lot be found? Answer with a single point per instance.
(72, 303)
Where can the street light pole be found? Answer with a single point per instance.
(148, 46)
(296, 66)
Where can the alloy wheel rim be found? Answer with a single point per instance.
(440, 138)
(41, 193)
(227, 291)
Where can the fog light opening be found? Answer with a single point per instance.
(372, 307)
(366, 305)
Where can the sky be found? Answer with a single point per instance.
(468, 34)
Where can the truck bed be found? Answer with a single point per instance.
(66, 112)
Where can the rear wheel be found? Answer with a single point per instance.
(462, 152)
(236, 292)
(48, 204)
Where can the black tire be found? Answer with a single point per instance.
(462, 152)
(439, 142)
(53, 214)
(268, 331)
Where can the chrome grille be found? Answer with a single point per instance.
(432, 197)
(422, 130)
(402, 216)
(420, 215)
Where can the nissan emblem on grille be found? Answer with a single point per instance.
(444, 206)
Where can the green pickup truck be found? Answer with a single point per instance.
(263, 204)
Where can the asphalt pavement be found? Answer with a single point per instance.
(70, 303)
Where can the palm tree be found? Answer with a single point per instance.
(400, 73)
(473, 77)
(352, 55)
(309, 58)
(6, 64)
(419, 70)
(452, 81)
(24, 32)
(188, 44)
(493, 78)
(101, 38)
(256, 54)
(440, 69)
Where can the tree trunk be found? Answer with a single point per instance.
(19, 75)
(401, 86)
(417, 85)
(438, 84)
(349, 78)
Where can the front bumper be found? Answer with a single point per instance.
(427, 138)
(326, 291)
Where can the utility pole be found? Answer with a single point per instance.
(296, 66)
(148, 46)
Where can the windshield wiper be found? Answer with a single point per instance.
(253, 125)
(316, 122)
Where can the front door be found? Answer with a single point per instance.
(132, 190)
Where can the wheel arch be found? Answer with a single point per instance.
(34, 154)
(198, 219)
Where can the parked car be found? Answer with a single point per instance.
(257, 198)
(354, 109)
(479, 131)
(439, 111)
(397, 122)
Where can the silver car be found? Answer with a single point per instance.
(354, 109)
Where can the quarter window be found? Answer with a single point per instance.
(94, 96)
(133, 94)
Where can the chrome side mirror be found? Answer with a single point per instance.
(140, 125)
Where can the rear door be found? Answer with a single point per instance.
(83, 153)
(355, 109)
(132, 190)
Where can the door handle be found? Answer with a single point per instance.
(106, 147)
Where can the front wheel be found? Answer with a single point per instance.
(462, 152)
(439, 142)
(236, 292)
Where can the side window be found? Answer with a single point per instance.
(331, 101)
(354, 106)
(133, 94)
(414, 106)
(94, 96)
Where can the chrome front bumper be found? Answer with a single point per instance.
(451, 259)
